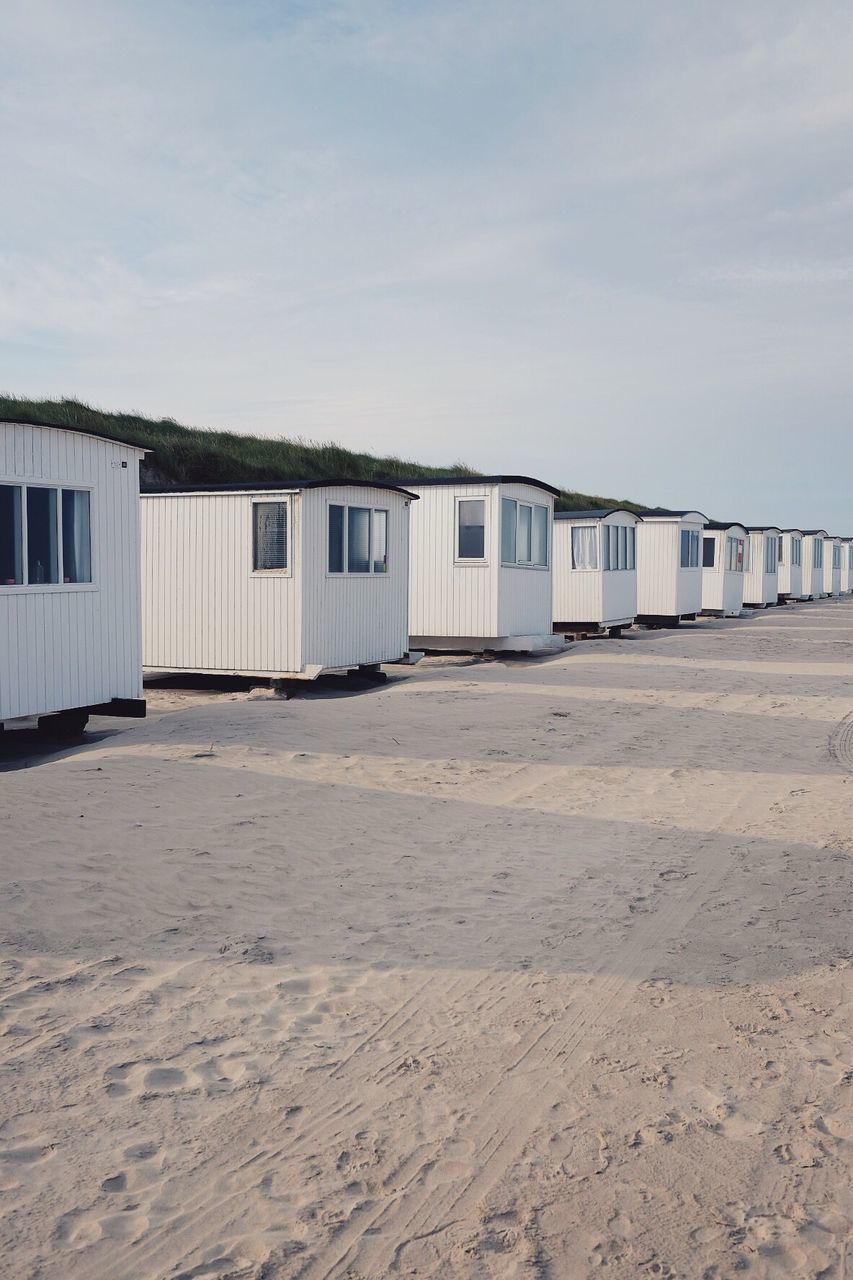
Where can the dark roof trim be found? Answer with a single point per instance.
(75, 428)
(815, 533)
(727, 524)
(599, 513)
(792, 531)
(430, 481)
(271, 486)
(764, 528)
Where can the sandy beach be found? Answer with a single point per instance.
(514, 969)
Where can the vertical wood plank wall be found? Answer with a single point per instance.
(73, 645)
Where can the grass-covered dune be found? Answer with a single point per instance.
(192, 455)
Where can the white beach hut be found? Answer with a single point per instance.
(790, 581)
(69, 578)
(847, 565)
(723, 550)
(669, 566)
(832, 561)
(761, 571)
(481, 564)
(595, 570)
(813, 557)
(284, 580)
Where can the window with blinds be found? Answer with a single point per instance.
(270, 535)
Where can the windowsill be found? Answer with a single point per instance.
(470, 564)
(47, 588)
(272, 573)
(358, 577)
(513, 564)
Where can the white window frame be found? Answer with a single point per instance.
(52, 588)
(525, 564)
(260, 499)
(369, 572)
(470, 562)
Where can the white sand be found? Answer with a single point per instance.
(533, 969)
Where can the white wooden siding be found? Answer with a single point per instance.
(722, 588)
(846, 565)
(760, 587)
(831, 576)
(455, 600)
(664, 589)
(600, 596)
(812, 577)
(204, 609)
(791, 575)
(64, 646)
(353, 619)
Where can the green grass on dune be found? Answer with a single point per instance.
(190, 455)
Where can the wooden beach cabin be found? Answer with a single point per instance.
(832, 560)
(481, 564)
(846, 565)
(761, 572)
(723, 551)
(813, 556)
(70, 643)
(790, 582)
(283, 580)
(595, 570)
(669, 567)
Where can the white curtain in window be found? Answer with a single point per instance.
(585, 546)
(380, 541)
(358, 540)
(270, 535)
(76, 536)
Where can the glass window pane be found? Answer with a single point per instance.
(613, 539)
(632, 547)
(42, 541)
(358, 540)
(11, 536)
(623, 546)
(472, 529)
(606, 559)
(540, 535)
(336, 538)
(525, 533)
(709, 552)
(76, 536)
(584, 546)
(509, 523)
(380, 541)
(685, 548)
(270, 535)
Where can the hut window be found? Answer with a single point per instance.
(509, 530)
(270, 535)
(781, 549)
(42, 536)
(540, 536)
(524, 533)
(618, 546)
(709, 553)
(797, 551)
(734, 554)
(689, 549)
(76, 536)
(850, 560)
(585, 546)
(817, 553)
(836, 557)
(11, 560)
(358, 539)
(770, 549)
(471, 529)
(380, 541)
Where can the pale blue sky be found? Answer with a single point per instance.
(606, 243)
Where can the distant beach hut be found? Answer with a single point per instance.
(813, 557)
(69, 577)
(669, 566)
(833, 556)
(280, 580)
(723, 550)
(761, 572)
(595, 570)
(790, 581)
(481, 554)
(846, 565)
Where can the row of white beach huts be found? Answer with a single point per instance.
(291, 580)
